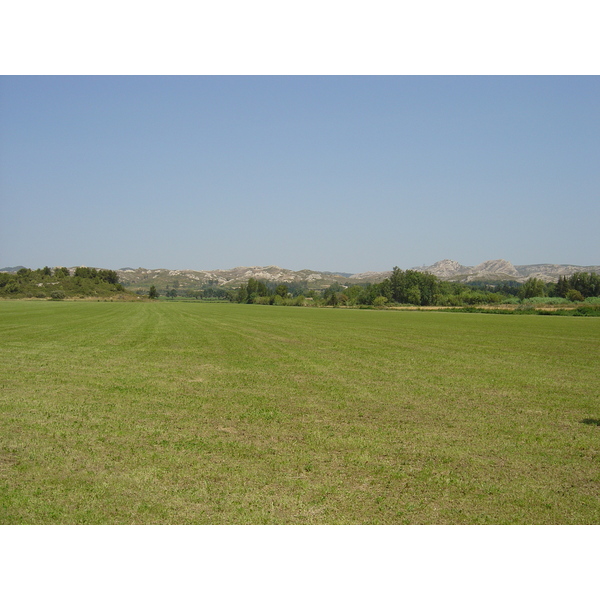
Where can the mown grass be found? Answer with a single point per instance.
(224, 413)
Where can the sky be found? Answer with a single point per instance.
(337, 173)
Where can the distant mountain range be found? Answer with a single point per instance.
(449, 270)
(161, 278)
(502, 270)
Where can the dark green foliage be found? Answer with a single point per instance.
(532, 288)
(61, 272)
(261, 288)
(109, 276)
(242, 295)
(413, 287)
(281, 290)
(574, 296)
(330, 296)
(587, 284)
(42, 283)
(252, 286)
(86, 272)
(153, 294)
(562, 287)
(505, 288)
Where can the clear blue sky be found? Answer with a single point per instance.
(328, 173)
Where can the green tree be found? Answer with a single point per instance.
(562, 287)
(61, 272)
(242, 295)
(109, 276)
(281, 290)
(252, 287)
(587, 284)
(532, 288)
(414, 295)
(24, 274)
(574, 296)
(262, 289)
(153, 294)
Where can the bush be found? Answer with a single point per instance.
(380, 301)
(574, 296)
(545, 300)
(587, 311)
(57, 295)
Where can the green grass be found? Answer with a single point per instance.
(225, 413)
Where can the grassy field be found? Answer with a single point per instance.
(224, 413)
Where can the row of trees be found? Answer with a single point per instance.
(577, 287)
(260, 292)
(586, 284)
(421, 289)
(205, 293)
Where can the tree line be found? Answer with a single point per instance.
(417, 288)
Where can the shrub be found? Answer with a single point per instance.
(57, 295)
(574, 296)
(545, 300)
(494, 298)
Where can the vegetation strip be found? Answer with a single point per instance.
(579, 293)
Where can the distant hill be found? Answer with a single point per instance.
(502, 270)
(448, 270)
(186, 279)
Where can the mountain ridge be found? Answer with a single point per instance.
(503, 270)
(447, 270)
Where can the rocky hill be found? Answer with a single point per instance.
(502, 270)
(143, 278)
(449, 270)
